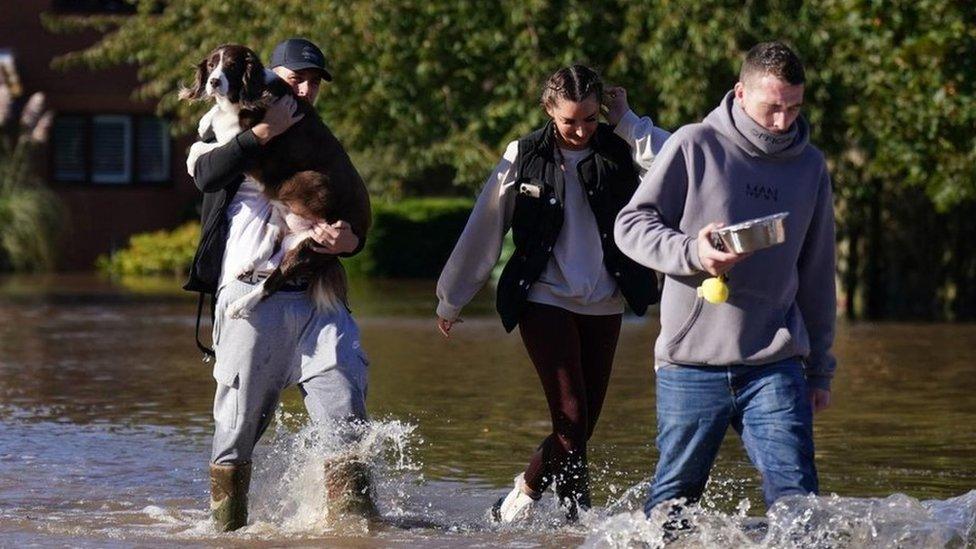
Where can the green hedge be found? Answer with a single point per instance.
(410, 239)
(154, 253)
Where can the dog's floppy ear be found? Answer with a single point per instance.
(252, 83)
(196, 92)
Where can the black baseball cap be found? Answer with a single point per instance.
(297, 54)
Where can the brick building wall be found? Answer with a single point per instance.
(102, 214)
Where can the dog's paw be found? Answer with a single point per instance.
(238, 310)
(242, 307)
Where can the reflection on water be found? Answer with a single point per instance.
(105, 424)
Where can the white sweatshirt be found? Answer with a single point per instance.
(575, 277)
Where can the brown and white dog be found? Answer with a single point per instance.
(305, 169)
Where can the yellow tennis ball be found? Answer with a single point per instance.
(715, 290)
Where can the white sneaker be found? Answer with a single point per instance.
(517, 505)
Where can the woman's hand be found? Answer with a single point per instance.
(616, 102)
(445, 325)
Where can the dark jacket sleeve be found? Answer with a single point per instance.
(358, 208)
(220, 167)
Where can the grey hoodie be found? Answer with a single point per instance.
(782, 300)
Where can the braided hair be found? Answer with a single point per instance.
(574, 83)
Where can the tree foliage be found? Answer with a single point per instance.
(426, 85)
(422, 84)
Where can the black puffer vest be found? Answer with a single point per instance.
(609, 178)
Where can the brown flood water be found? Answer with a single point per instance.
(105, 415)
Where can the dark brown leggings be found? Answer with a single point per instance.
(573, 355)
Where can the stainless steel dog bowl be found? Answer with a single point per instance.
(752, 235)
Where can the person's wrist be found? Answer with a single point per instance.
(628, 118)
(614, 116)
(262, 131)
(694, 255)
(447, 312)
(248, 141)
(353, 243)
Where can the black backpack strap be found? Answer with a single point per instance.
(207, 352)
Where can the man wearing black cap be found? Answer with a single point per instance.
(301, 64)
(285, 341)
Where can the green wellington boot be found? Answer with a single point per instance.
(349, 486)
(228, 495)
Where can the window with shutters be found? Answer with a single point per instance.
(152, 149)
(69, 148)
(110, 149)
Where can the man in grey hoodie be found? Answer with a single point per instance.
(760, 361)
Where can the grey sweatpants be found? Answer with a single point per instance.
(283, 342)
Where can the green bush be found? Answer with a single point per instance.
(412, 238)
(155, 253)
(409, 239)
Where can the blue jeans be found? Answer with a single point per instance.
(767, 405)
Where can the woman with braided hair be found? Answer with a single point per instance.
(559, 190)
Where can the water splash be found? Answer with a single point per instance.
(288, 494)
(802, 522)
(894, 521)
